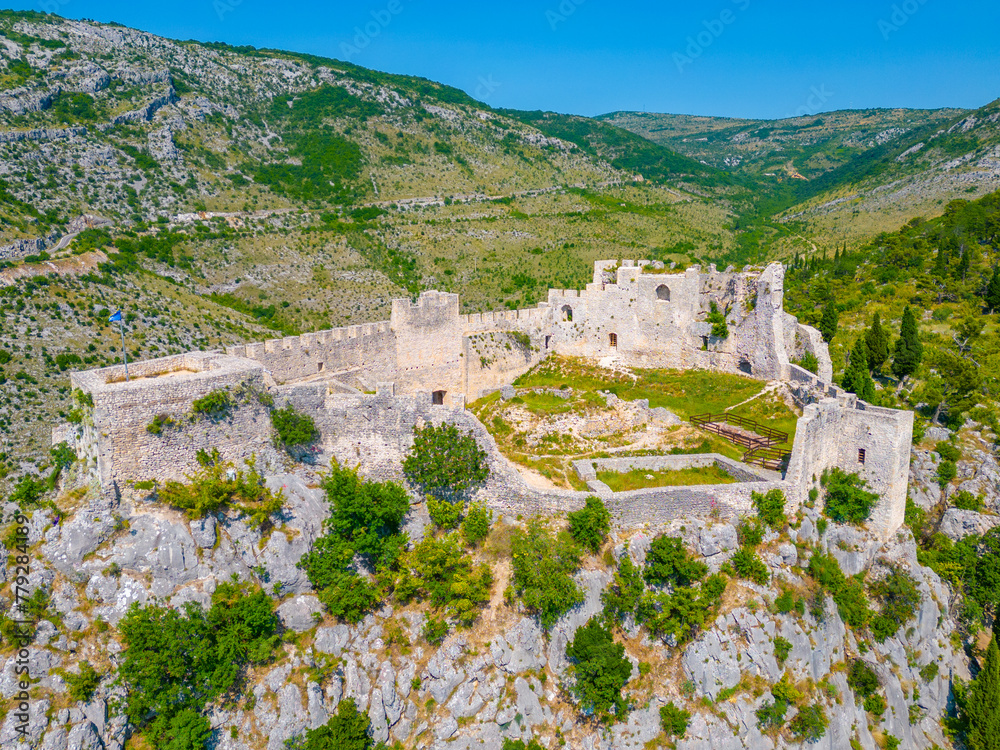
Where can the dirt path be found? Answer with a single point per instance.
(76, 265)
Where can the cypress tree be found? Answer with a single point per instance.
(993, 291)
(877, 341)
(828, 323)
(941, 263)
(982, 705)
(909, 351)
(857, 379)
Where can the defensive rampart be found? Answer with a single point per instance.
(367, 386)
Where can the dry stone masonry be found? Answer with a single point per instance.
(367, 386)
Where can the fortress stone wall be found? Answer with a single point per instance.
(367, 387)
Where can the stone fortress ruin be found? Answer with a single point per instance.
(367, 386)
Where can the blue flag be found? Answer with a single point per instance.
(116, 318)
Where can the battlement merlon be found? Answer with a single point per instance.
(432, 309)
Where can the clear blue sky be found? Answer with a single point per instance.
(740, 58)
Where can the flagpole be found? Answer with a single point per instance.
(121, 324)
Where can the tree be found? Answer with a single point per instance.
(908, 351)
(770, 508)
(600, 668)
(982, 704)
(544, 565)
(828, 323)
(857, 379)
(294, 428)
(590, 525)
(992, 296)
(623, 595)
(847, 501)
(345, 730)
(877, 344)
(718, 320)
(445, 461)
(669, 562)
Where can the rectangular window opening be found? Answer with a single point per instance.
(613, 339)
(861, 456)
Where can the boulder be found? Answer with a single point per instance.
(300, 613)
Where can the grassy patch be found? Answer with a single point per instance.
(638, 479)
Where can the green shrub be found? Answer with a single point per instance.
(965, 500)
(159, 424)
(750, 533)
(875, 704)
(543, 568)
(748, 565)
(590, 525)
(772, 714)
(214, 405)
(718, 321)
(673, 720)
(348, 729)
(600, 669)
(948, 451)
(622, 597)
(176, 662)
(28, 492)
(445, 461)
(220, 485)
(62, 455)
(809, 724)
(188, 730)
(476, 525)
(771, 508)
(898, 594)
(83, 685)
(365, 519)
(846, 499)
(891, 742)
(445, 513)
(669, 562)
(435, 630)
(532, 744)
(782, 648)
(848, 594)
(946, 471)
(293, 427)
(929, 671)
(439, 571)
(682, 614)
(862, 679)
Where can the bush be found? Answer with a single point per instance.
(848, 594)
(669, 562)
(673, 720)
(771, 508)
(365, 519)
(965, 500)
(782, 648)
(862, 679)
(846, 499)
(435, 630)
(772, 714)
(476, 525)
(600, 669)
(439, 571)
(83, 685)
(590, 525)
(348, 729)
(177, 662)
(293, 427)
(543, 568)
(62, 455)
(750, 533)
(875, 704)
(219, 485)
(898, 594)
(748, 565)
(809, 724)
(214, 405)
(444, 461)
(682, 614)
(444, 513)
(622, 596)
(28, 492)
(159, 423)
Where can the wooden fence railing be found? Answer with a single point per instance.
(762, 436)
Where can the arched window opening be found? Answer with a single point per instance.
(567, 313)
(663, 292)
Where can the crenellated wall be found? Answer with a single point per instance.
(367, 386)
